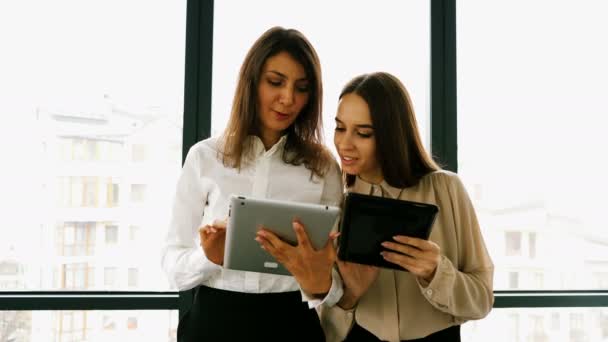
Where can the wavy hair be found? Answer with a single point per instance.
(304, 143)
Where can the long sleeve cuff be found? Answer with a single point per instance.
(336, 322)
(331, 298)
(192, 268)
(436, 292)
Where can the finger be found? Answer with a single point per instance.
(301, 235)
(412, 241)
(220, 224)
(203, 232)
(403, 249)
(277, 253)
(330, 249)
(334, 235)
(402, 260)
(272, 239)
(265, 244)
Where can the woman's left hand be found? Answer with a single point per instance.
(311, 268)
(418, 256)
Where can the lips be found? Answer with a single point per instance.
(281, 115)
(348, 160)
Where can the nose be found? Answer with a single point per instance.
(286, 96)
(343, 141)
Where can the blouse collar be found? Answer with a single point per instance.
(258, 149)
(363, 187)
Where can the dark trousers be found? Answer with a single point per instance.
(451, 334)
(219, 315)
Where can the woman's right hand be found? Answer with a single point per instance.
(357, 279)
(212, 241)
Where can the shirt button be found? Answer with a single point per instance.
(429, 292)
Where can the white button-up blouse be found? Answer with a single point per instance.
(203, 191)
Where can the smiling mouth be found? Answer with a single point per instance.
(348, 160)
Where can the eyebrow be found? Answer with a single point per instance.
(285, 76)
(358, 126)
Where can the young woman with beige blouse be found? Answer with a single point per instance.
(449, 277)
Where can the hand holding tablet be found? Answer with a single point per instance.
(247, 215)
(368, 221)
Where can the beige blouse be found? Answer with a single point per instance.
(399, 306)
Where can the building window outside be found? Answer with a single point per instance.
(538, 280)
(108, 323)
(112, 194)
(72, 326)
(109, 276)
(138, 193)
(532, 244)
(133, 275)
(555, 321)
(538, 329)
(139, 152)
(513, 280)
(76, 238)
(577, 332)
(513, 331)
(132, 323)
(513, 243)
(111, 234)
(133, 232)
(77, 276)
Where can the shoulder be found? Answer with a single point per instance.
(446, 183)
(441, 178)
(205, 147)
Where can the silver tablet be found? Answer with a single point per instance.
(246, 215)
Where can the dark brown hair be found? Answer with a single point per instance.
(304, 136)
(399, 149)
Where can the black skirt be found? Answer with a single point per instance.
(359, 334)
(219, 315)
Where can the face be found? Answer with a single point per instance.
(355, 139)
(283, 92)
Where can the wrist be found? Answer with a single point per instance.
(348, 300)
(319, 289)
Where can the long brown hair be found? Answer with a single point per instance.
(399, 148)
(304, 136)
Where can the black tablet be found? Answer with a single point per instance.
(367, 221)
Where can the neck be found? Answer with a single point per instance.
(269, 139)
(373, 178)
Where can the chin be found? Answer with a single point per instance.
(351, 170)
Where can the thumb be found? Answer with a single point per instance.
(330, 249)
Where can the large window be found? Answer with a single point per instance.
(91, 117)
(531, 137)
(351, 38)
(531, 150)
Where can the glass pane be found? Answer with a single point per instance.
(532, 137)
(64, 326)
(539, 325)
(350, 37)
(91, 141)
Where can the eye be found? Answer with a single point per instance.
(303, 89)
(274, 83)
(365, 134)
(340, 129)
